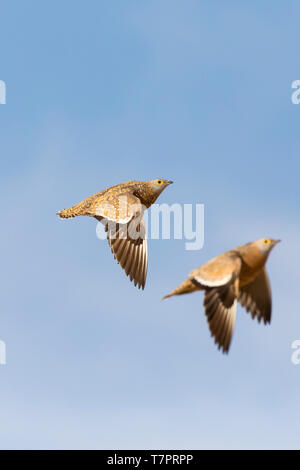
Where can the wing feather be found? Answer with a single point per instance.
(256, 297)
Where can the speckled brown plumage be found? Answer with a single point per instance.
(237, 275)
(120, 208)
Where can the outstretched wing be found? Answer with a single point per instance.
(220, 311)
(125, 227)
(118, 208)
(218, 271)
(256, 297)
(220, 279)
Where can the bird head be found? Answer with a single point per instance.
(266, 245)
(149, 191)
(159, 185)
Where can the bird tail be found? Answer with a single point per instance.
(186, 287)
(73, 211)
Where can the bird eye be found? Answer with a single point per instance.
(159, 182)
(266, 241)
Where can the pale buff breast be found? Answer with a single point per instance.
(253, 260)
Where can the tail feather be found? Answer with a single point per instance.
(64, 214)
(186, 287)
(71, 212)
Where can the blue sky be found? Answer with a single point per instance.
(101, 92)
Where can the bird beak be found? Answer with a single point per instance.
(276, 241)
(168, 182)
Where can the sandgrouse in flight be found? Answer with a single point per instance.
(120, 208)
(237, 275)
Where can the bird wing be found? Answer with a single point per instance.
(256, 297)
(118, 207)
(220, 279)
(217, 272)
(126, 235)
